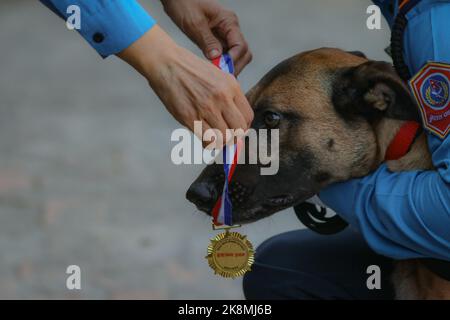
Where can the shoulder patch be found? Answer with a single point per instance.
(431, 89)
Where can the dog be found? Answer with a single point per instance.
(337, 113)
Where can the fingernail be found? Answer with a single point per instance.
(213, 53)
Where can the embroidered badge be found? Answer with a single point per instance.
(431, 89)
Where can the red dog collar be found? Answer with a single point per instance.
(403, 140)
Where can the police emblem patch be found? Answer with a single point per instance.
(431, 89)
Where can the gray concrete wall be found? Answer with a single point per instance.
(85, 172)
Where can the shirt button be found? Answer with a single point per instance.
(98, 37)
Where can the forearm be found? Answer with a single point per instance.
(401, 215)
(151, 54)
(109, 26)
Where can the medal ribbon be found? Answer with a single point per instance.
(222, 212)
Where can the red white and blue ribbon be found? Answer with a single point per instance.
(224, 63)
(222, 212)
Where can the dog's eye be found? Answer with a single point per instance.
(272, 119)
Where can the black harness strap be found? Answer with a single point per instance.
(397, 33)
(318, 220)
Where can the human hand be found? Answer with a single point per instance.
(191, 88)
(212, 27)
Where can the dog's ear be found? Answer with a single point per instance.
(252, 95)
(372, 90)
(358, 54)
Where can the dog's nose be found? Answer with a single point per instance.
(202, 194)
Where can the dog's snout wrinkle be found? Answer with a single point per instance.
(238, 193)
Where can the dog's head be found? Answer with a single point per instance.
(326, 104)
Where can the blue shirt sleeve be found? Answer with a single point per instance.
(406, 215)
(109, 26)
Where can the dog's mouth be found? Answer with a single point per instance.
(264, 209)
(246, 208)
(251, 197)
(279, 201)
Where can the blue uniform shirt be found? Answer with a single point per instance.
(109, 26)
(406, 215)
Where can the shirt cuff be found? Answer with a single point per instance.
(109, 26)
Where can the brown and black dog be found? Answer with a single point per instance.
(337, 113)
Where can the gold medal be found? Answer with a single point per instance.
(230, 254)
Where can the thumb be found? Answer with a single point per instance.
(208, 43)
